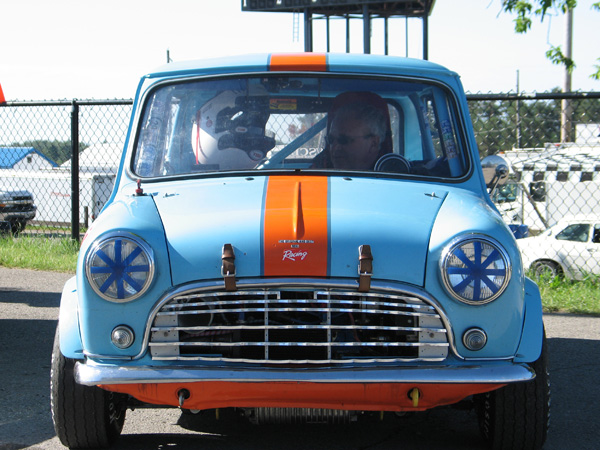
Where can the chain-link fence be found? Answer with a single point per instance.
(37, 140)
(550, 142)
(551, 145)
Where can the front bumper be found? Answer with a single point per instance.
(380, 389)
(11, 215)
(497, 373)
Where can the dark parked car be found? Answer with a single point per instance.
(16, 209)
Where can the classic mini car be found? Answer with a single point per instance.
(16, 209)
(294, 236)
(570, 248)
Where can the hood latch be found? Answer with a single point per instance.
(365, 268)
(228, 267)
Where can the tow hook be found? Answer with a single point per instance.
(183, 395)
(414, 394)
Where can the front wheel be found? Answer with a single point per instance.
(83, 416)
(517, 415)
(546, 270)
(17, 226)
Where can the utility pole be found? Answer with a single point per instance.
(566, 116)
(518, 107)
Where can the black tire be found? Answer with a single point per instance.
(517, 416)
(16, 227)
(83, 416)
(546, 270)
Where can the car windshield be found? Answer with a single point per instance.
(311, 123)
(578, 232)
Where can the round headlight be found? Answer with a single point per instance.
(476, 270)
(120, 268)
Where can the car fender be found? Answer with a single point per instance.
(530, 347)
(68, 322)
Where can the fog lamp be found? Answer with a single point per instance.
(474, 339)
(122, 337)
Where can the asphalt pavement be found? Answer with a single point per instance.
(29, 303)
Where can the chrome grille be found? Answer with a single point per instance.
(302, 327)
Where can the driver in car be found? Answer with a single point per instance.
(356, 135)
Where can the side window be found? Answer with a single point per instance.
(429, 113)
(397, 127)
(440, 139)
(596, 236)
(578, 232)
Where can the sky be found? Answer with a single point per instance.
(90, 49)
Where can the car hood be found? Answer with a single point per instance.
(298, 226)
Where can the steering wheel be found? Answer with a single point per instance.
(392, 162)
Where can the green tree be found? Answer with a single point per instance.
(526, 11)
(494, 128)
(502, 125)
(57, 151)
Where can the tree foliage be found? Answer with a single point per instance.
(502, 125)
(57, 151)
(526, 11)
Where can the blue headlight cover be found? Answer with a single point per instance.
(475, 270)
(120, 267)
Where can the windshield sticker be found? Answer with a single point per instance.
(448, 136)
(283, 104)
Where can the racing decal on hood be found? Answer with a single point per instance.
(296, 237)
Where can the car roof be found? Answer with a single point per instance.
(306, 62)
(588, 218)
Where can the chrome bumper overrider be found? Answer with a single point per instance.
(91, 375)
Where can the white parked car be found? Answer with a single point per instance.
(571, 247)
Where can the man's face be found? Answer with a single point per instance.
(352, 144)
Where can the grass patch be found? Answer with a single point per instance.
(56, 254)
(577, 297)
(59, 254)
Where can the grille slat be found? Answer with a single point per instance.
(282, 301)
(265, 310)
(302, 327)
(300, 344)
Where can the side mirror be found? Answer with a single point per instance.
(495, 172)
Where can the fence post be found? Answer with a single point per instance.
(75, 171)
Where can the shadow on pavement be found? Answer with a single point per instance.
(25, 350)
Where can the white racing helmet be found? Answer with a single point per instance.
(229, 133)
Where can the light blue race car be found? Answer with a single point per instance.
(295, 235)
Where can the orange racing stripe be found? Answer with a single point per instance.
(311, 62)
(295, 226)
